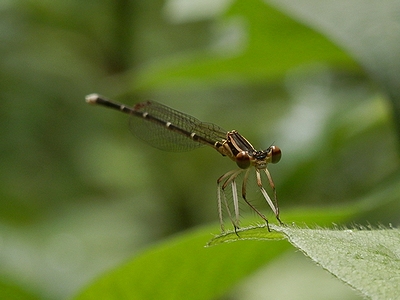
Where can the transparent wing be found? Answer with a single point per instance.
(153, 128)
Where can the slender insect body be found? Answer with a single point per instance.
(171, 130)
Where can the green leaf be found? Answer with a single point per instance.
(182, 268)
(367, 260)
(249, 233)
(176, 267)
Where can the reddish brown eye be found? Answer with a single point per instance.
(243, 160)
(276, 154)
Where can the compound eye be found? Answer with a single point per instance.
(276, 154)
(243, 160)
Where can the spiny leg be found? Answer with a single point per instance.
(235, 204)
(228, 178)
(266, 197)
(221, 221)
(219, 189)
(272, 185)
(244, 186)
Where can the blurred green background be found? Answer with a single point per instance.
(79, 194)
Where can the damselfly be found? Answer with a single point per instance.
(171, 130)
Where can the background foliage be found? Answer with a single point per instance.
(79, 195)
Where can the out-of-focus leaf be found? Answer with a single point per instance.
(268, 44)
(11, 291)
(182, 268)
(368, 30)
